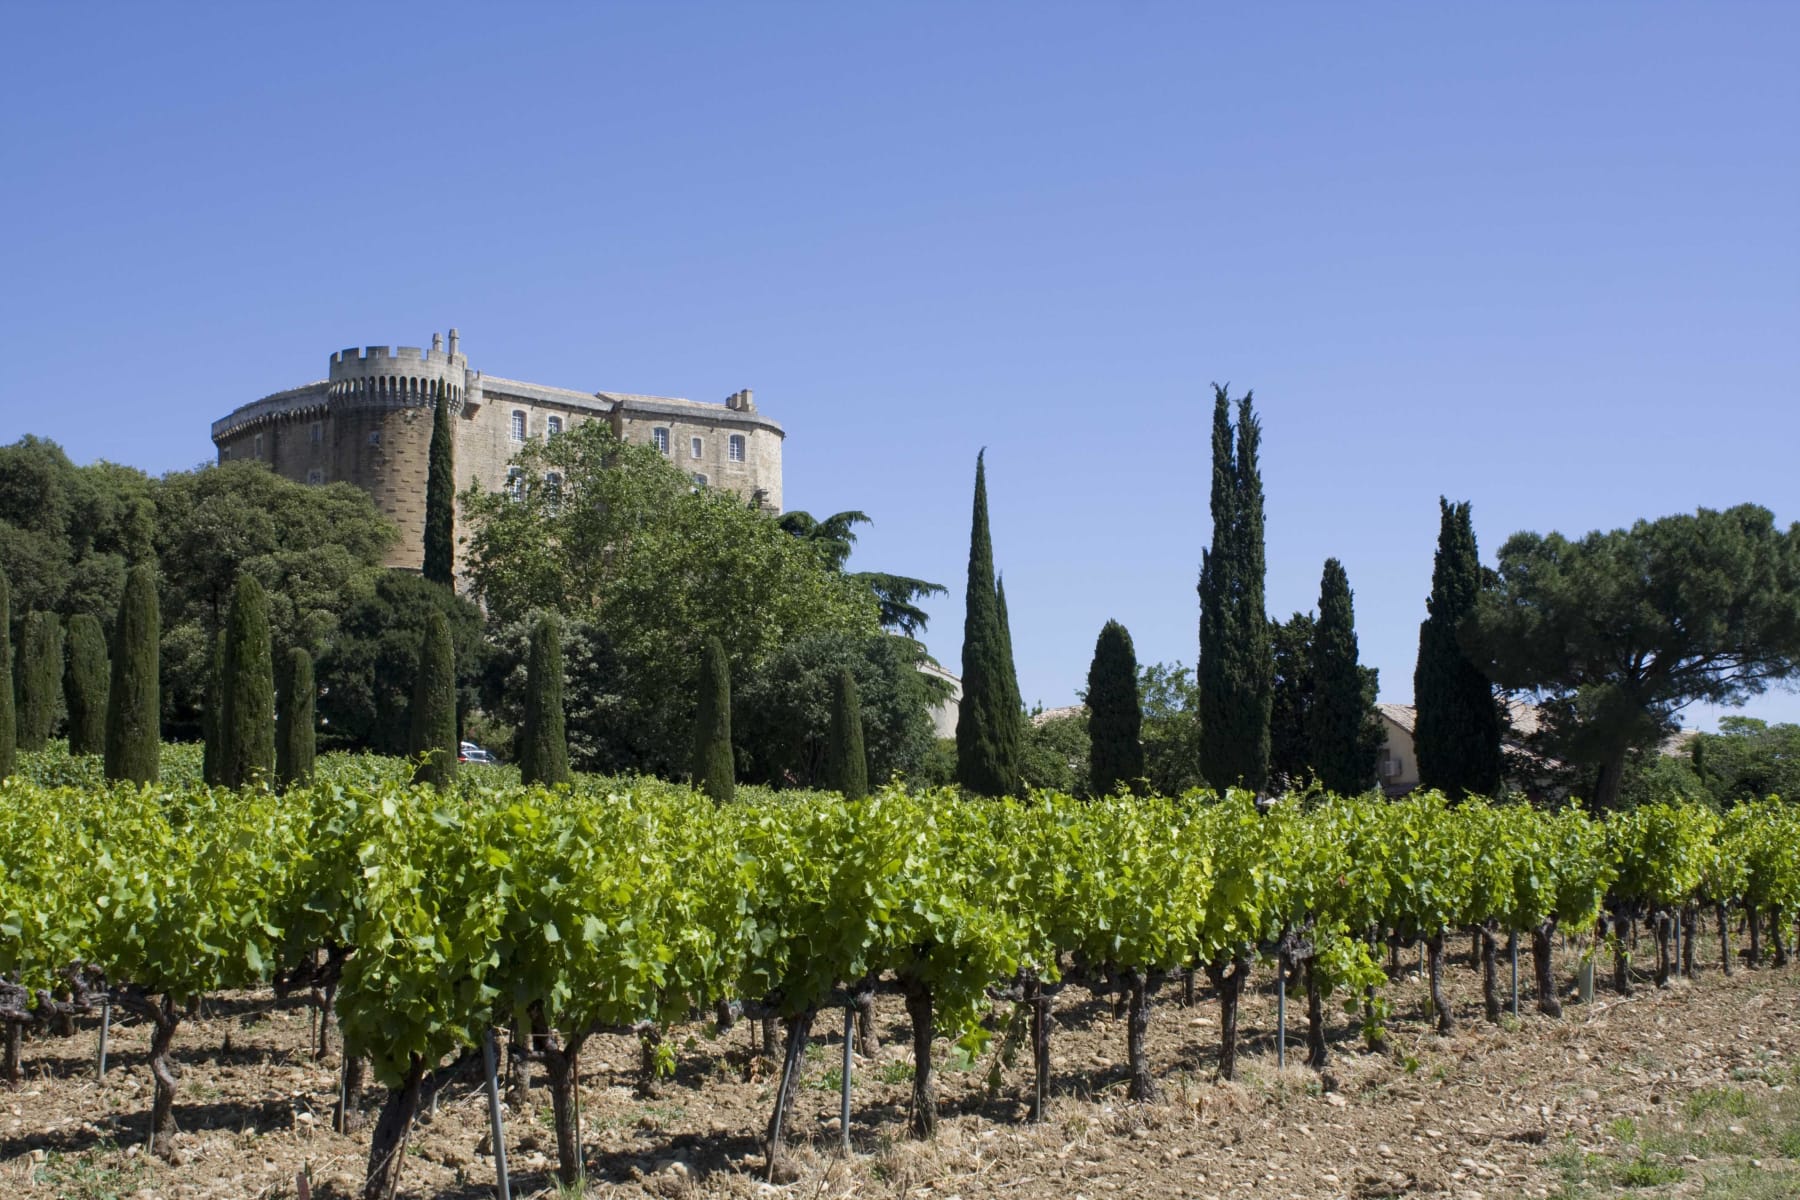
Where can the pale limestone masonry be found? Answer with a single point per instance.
(369, 423)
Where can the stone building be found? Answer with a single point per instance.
(369, 423)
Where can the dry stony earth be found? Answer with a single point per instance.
(1689, 1091)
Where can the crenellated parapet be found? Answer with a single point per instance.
(307, 402)
(404, 376)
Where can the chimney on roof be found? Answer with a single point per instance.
(437, 343)
(453, 341)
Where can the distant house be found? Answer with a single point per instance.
(1530, 772)
(944, 712)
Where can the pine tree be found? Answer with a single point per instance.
(846, 760)
(247, 716)
(1236, 675)
(1338, 725)
(84, 685)
(134, 697)
(989, 732)
(714, 771)
(296, 733)
(212, 724)
(9, 729)
(543, 744)
(1456, 732)
(39, 678)
(433, 719)
(440, 496)
(1115, 714)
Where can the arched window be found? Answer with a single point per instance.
(699, 479)
(660, 439)
(518, 425)
(696, 448)
(735, 448)
(553, 426)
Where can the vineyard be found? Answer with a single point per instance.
(419, 923)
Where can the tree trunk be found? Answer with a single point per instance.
(1490, 974)
(1621, 956)
(1228, 980)
(1434, 968)
(1548, 1002)
(1040, 1049)
(799, 1031)
(1187, 986)
(165, 1018)
(1724, 936)
(9, 1074)
(868, 1042)
(1475, 951)
(768, 1035)
(1754, 918)
(1316, 1053)
(650, 1036)
(1139, 985)
(387, 1146)
(923, 1121)
(1612, 774)
(563, 1066)
(1779, 943)
(349, 1115)
(1665, 961)
(1690, 922)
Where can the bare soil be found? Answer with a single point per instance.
(1689, 1090)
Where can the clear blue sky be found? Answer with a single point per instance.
(1542, 257)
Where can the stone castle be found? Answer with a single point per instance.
(369, 423)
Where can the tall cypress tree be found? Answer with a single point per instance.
(1236, 674)
(1290, 746)
(1115, 714)
(440, 496)
(1342, 752)
(714, 770)
(988, 722)
(39, 678)
(846, 758)
(432, 731)
(1456, 732)
(9, 729)
(543, 744)
(84, 685)
(212, 724)
(296, 734)
(247, 716)
(134, 697)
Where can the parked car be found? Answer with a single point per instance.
(469, 752)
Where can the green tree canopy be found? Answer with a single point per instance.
(1171, 728)
(1290, 709)
(1748, 759)
(247, 712)
(134, 696)
(85, 679)
(1115, 714)
(432, 719)
(626, 545)
(67, 533)
(38, 679)
(1619, 631)
(989, 723)
(1457, 732)
(1056, 753)
(440, 495)
(846, 762)
(1343, 731)
(714, 770)
(543, 748)
(897, 596)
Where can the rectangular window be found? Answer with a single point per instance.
(318, 432)
(258, 451)
(699, 480)
(375, 437)
(553, 426)
(518, 425)
(735, 448)
(694, 448)
(660, 439)
(515, 483)
(315, 476)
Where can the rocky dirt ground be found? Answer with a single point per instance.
(1693, 1090)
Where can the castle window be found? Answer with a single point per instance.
(694, 448)
(518, 425)
(699, 479)
(734, 449)
(258, 450)
(660, 439)
(553, 490)
(515, 483)
(553, 426)
(318, 432)
(315, 476)
(375, 437)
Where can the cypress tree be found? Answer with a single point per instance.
(433, 719)
(1236, 673)
(1115, 714)
(296, 744)
(134, 697)
(543, 745)
(989, 732)
(84, 685)
(1341, 752)
(846, 760)
(1290, 746)
(714, 771)
(247, 716)
(211, 726)
(440, 496)
(1456, 733)
(39, 678)
(9, 729)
